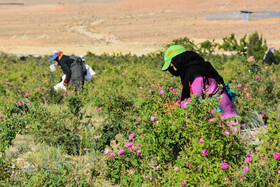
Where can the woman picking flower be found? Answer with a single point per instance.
(198, 75)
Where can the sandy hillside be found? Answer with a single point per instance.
(137, 26)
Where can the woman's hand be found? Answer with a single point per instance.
(171, 104)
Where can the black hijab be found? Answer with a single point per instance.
(190, 65)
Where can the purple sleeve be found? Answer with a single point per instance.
(197, 86)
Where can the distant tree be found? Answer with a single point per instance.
(231, 44)
(256, 46)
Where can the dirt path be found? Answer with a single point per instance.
(129, 26)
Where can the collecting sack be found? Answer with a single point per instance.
(78, 69)
(78, 72)
(89, 73)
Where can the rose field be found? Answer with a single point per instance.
(121, 131)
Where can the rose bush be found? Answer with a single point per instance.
(121, 130)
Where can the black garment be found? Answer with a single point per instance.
(65, 63)
(190, 65)
(269, 58)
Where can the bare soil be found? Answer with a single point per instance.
(136, 26)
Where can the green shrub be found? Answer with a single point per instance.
(130, 95)
(186, 43)
(231, 44)
(256, 46)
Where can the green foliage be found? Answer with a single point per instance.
(116, 113)
(207, 47)
(256, 46)
(6, 170)
(231, 44)
(131, 95)
(186, 43)
(167, 144)
(277, 56)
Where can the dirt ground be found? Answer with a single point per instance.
(136, 26)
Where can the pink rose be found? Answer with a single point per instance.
(263, 163)
(204, 152)
(224, 165)
(265, 126)
(262, 115)
(248, 159)
(121, 151)
(227, 133)
(245, 89)
(131, 136)
(112, 155)
(276, 155)
(152, 118)
(234, 129)
(138, 119)
(19, 103)
(239, 85)
(161, 91)
(257, 77)
(98, 110)
(250, 136)
(138, 152)
(211, 120)
(251, 58)
(106, 151)
(245, 169)
(200, 140)
(248, 95)
(129, 144)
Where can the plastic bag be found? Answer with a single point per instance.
(90, 73)
(53, 67)
(60, 84)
